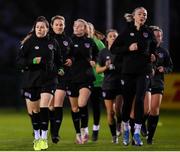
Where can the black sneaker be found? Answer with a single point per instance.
(52, 128)
(133, 143)
(55, 140)
(115, 140)
(144, 131)
(149, 141)
(95, 135)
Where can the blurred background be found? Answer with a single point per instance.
(17, 17)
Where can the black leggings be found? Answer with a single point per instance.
(134, 87)
(96, 99)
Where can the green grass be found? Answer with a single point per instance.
(16, 134)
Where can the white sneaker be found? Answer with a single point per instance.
(118, 129)
(84, 135)
(78, 139)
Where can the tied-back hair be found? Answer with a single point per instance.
(111, 30)
(85, 24)
(99, 35)
(90, 24)
(57, 17)
(156, 28)
(90, 30)
(129, 16)
(107, 32)
(32, 31)
(82, 21)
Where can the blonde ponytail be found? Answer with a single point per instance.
(128, 17)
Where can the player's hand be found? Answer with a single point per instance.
(61, 71)
(37, 60)
(68, 62)
(153, 58)
(133, 47)
(107, 63)
(160, 69)
(92, 63)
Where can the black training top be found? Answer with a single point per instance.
(163, 59)
(65, 43)
(111, 76)
(45, 73)
(135, 62)
(83, 50)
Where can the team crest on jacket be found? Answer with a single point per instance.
(87, 45)
(104, 94)
(131, 34)
(65, 43)
(160, 55)
(51, 46)
(122, 82)
(145, 34)
(36, 47)
(76, 45)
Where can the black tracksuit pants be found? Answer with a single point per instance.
(134, 88)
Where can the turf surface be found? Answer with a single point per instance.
(16, 134)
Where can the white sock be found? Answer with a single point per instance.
(86, 130)
(137, 128)
(44, 134)
(96, 127)
(126, 125)
(37, 134)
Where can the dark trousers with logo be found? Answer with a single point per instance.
(134, 88)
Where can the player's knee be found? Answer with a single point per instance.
(75, 109)
(154, 111)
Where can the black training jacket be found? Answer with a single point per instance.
(163, 59)
(65, 43)
(111, 76)
(45, 73)
(84, 50)
(135, 62)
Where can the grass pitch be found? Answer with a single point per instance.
(16, 134)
